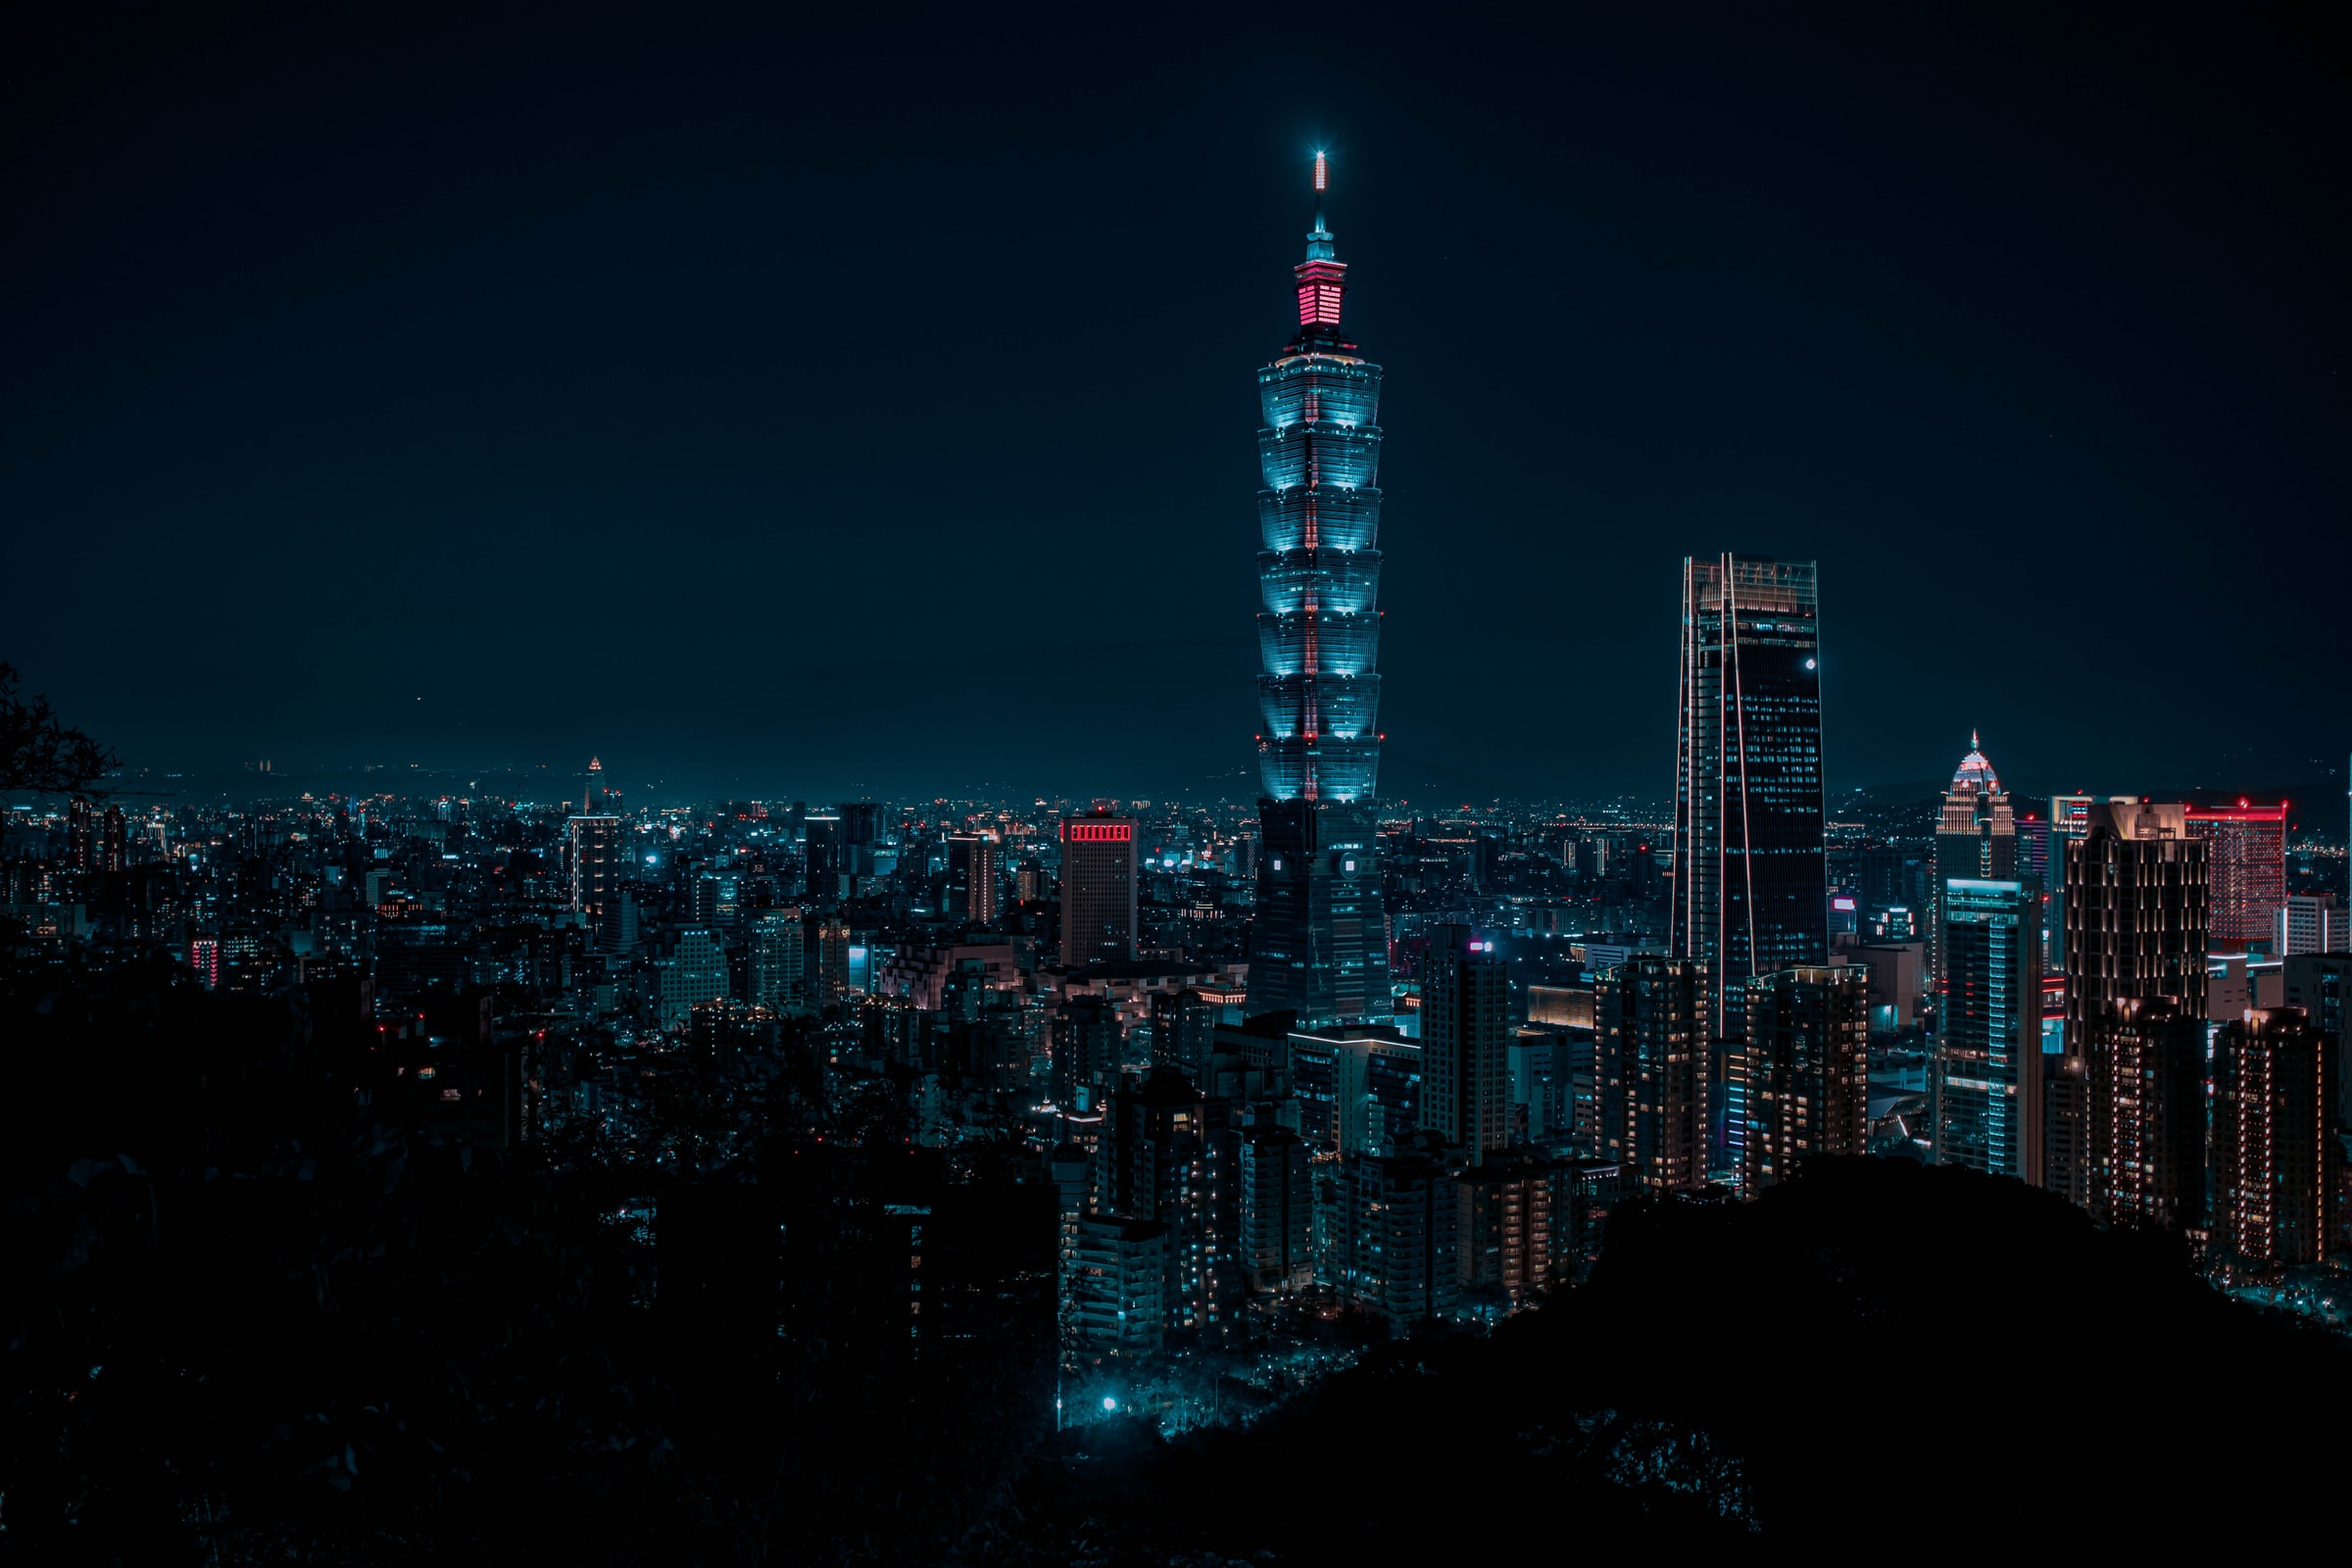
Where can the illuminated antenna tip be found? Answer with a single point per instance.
(1322, 171)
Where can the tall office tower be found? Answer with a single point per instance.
(1318, 935)
(826, 863)
(1975, 839)
(1653, 1016)
(2307, 924)
(832, 980)
(2246, 870)
(779, 957)
(975, 877)
(1098, 888)
(595, 864)
(1989, 1071)
(1465, 1043)
(1751, 886)
(1807, 1065)
(113, 847)
(2276, 1172)
(861, 837)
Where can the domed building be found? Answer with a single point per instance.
(1975, 839)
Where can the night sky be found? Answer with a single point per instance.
(804, 413)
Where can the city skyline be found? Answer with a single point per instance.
(655, 905)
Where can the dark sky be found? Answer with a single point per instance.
(808, 412)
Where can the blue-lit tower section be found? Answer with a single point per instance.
(1319, 935)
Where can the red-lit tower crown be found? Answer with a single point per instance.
(1322, 277)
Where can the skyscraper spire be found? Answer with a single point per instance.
(1316, 939)
(1322, 277)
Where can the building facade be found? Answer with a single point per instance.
(594, 847)
(1465, 1043)
(694, 972)
(2146, 1115)
(1806, 1070)
(1318, 939)
(1276, 1250)
(1751, 881)
(1989, 1089)
(975, 877)
(1653, 1024)
(2308, 924)
(1398, 1247)
(1976, 840)
(1097, 889)
(1169, 1155)
(2277, 1168)
(2247, 869)
(779, 961)
(2135, 912)
(2135, 984)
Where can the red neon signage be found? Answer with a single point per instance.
(1097, 832)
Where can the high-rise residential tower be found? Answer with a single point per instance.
(594, 851)
(975, 876)
(2136, 944)
(826, 862)
(1652, 1027)
(1750, 882)
(779, 960)
(1318, 940)
(2245, 870)
(2307, 924)
(2135, 912)
(2276, 1172)
(1465, 1042)
(1098, 888)
(1976, 840)
(1805, 1070)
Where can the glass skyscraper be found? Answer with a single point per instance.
(1319, 936)
(1750, 886)
(1988, 1050)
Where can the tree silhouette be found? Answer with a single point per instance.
(40, 752)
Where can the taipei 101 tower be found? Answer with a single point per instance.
(1318, 941)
